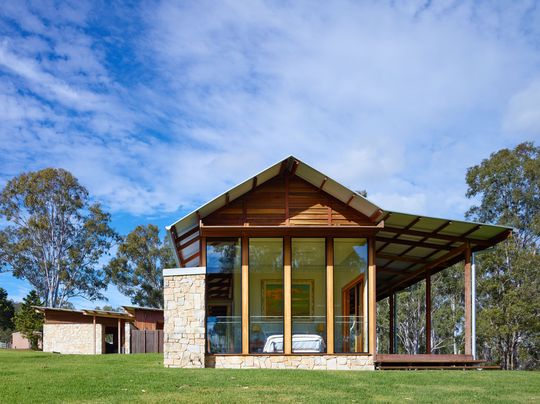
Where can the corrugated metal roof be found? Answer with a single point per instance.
(406, 245)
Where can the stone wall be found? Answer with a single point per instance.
(315, 362)
(72, 338)
(184, 329)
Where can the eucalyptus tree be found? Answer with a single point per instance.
(137, 268)
(54, 236)
(507, 185)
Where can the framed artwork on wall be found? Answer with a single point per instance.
(301, 297)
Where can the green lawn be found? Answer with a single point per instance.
(40, 377)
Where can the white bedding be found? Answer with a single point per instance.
(301, 343)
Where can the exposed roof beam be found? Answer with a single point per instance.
(280, 231)
(428, 235)
(449, 255)
(402, 258)
(411, 224)
(391, 271)
(470, 231)
(438, 229)
(414, 243)
(192, 257)
(187, 244)
(188, 233)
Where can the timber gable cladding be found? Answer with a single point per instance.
(286, 201)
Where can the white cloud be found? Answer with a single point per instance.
(523, 114)
(193, 97)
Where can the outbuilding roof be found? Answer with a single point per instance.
(127, 314)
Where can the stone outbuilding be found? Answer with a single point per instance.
(93, 332)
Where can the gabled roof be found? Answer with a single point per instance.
(407, 245)
(299, 168)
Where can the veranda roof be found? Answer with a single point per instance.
(407, 245)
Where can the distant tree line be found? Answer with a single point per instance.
(507, 186)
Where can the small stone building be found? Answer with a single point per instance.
(19, 341)
(95, 331)
(285, 271)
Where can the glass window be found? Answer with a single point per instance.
(266, 295)
(350, 295)
(224, 296)
(308, 294)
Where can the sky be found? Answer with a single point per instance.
(158, 106)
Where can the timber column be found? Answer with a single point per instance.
(372, 298)
(184, 312)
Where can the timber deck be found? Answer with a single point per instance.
(429, 361)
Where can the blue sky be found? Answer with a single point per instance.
(158, 106)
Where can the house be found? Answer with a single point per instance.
(285, 271)
(99, 331)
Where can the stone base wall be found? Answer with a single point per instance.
(184, 329)
(318, 362)
(72, 338)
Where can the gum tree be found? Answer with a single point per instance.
(137, 268)
(55, 236)
(507, 185)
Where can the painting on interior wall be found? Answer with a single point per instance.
(301, 296)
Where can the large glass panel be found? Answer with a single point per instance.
(350, 294)
(266, 295)
(308, 295)
(224, 295)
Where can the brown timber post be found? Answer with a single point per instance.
(329, 295)
(119, 336)
(391, 322)
(468, 301)
(372, 299)
(202, 251)
(428, 311)
(245, 295)
(287, 289)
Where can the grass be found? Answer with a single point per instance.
(27, 376)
